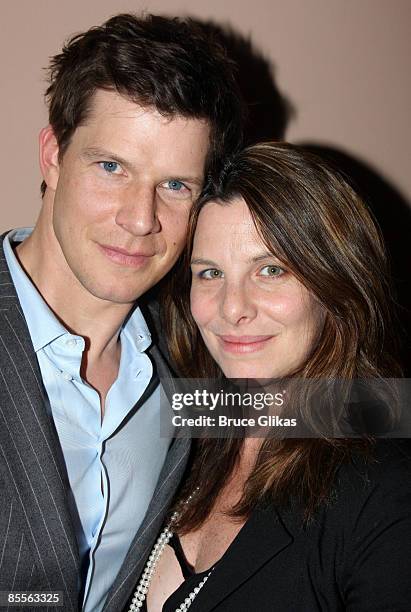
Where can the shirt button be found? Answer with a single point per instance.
(71, 342)
(67, 376)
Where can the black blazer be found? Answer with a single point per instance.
(38, 548)
(355, 555)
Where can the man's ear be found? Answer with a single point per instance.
(49, 153)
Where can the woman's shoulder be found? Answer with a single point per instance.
(375, 486)
(364, 530)
(387, 463)
(371, 527)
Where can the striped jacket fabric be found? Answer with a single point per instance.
(38, 549)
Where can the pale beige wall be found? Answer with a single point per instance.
(345, 65)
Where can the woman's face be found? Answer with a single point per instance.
(256, 319)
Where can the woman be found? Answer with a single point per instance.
(288, 279)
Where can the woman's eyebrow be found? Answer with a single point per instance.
(262, 256)
(203, 262)
(255, 259)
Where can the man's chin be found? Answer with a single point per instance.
(115, 293)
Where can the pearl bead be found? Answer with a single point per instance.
(158, 548)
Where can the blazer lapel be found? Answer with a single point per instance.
(31, 452)
(133, 565)
(262, 537)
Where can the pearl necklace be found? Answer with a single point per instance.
(141, 591)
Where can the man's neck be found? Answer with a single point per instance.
(97, 321)
(79, 311)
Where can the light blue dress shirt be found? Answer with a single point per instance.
(113, 465)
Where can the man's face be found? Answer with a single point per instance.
(125, 187)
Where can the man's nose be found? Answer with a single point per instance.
(137, 212)
(237, 303)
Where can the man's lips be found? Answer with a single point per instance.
(243, 344)
(124, 257)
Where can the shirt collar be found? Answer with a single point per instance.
(44, 327)
(136, 331)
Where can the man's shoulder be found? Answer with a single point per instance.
(8, 294)
(3, 261)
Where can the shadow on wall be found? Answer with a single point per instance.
(393, 214)
(268, 110)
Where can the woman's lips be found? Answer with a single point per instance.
(123, 257)
(244, 344)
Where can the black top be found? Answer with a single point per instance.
(185, 566)
(353, 556)
(189, 574)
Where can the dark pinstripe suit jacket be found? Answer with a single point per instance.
(38, 549)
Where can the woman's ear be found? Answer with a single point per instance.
(49, 157)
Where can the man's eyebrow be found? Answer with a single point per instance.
(196, 180)
(93, 153)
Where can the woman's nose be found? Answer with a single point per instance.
(237, 304)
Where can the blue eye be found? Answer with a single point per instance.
(173, 189)
(271, 271)
(210, 274)
(110, 166)
(175, 185)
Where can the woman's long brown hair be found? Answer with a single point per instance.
(310, 218)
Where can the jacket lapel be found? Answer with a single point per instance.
(31, 452)
(142, 544)
(262, 537)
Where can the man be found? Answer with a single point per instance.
(142, 114)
